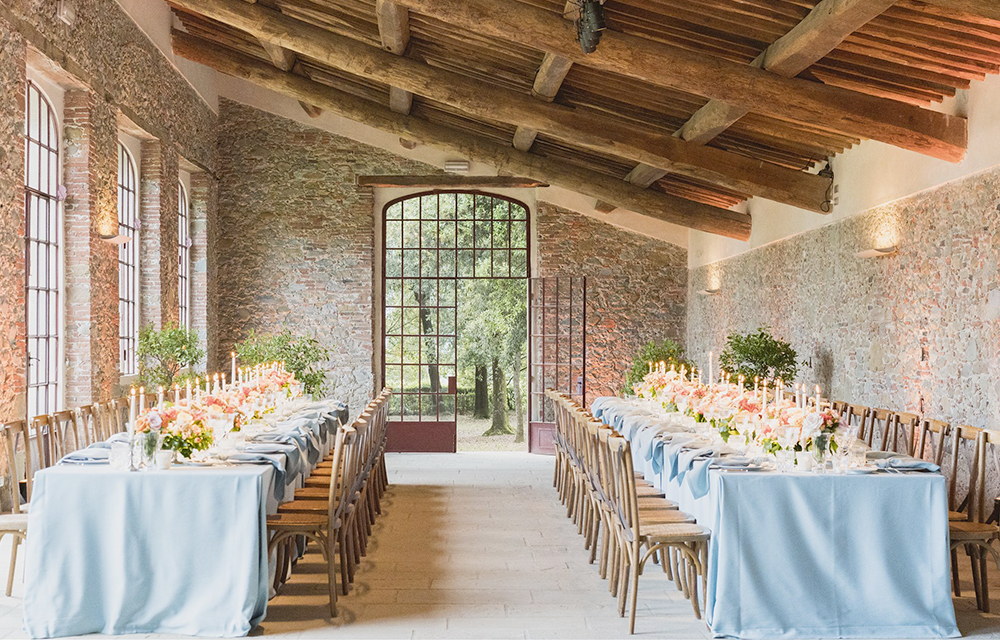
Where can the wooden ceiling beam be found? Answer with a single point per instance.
(444, 180)
(548, 80)
(504, 158)
(851, 112)
(394, 32)
(985, 8)
(486, 101)
(819, 33)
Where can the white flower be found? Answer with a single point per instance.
(154, 420)
(811, 425)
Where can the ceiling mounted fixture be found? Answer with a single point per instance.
(589, 24)
(709, 292)
(115, 238)
(456, 166)
(877, 252)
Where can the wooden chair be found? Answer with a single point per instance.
(320, 528)
(926, 448)
(639, 541)
(105, 424)
(43, 429)
(119, 414)
(855, 417)
(66, 434)
(16, 438)
(876, 422)
(899, 427)
(87, 425)
(974, 533)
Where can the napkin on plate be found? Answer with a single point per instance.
(84, 456)
(903, 463)
(881, 455)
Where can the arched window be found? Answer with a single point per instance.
(128, 261)
(183, 257)
(42, 253)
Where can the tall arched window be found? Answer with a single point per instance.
(42, 253)
(183, 257)
(128, 261)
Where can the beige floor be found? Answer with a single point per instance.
(475, 545)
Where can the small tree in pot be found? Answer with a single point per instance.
(163, 354)
(758, 355)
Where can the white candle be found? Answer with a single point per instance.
(208, 389)
(187, 389)
(131, 414)
(142, 399)
(177, 393)
(711, 368)
(159, 397)
(233, 354)
(818, 398)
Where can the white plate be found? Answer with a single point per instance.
(860, 471)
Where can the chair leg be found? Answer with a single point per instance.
(13, 562)
(984, 579)
(331, 575)
(956, 586)
(634, 589)
(975, 576)
(345, 581)
(693, 587)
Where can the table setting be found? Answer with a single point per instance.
(813, 535)
(162, 528)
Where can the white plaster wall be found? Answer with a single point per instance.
(869, 175)
(155, 19)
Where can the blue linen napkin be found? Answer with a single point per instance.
(273, 460)
(87, 455)
(880, 455)
(904, 463)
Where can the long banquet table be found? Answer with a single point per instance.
(178, 551)
(806, 555)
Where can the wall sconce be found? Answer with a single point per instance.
(456, 166)
(708, 292)
(877, 252)
(115, 238)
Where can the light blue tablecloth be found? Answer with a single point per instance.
(180, 551)
(809, 555)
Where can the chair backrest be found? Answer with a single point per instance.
(962, 472)
(926, 448)
(625, 503)
(904, 432)
(979, 509)
(335, 505)
(119, 413)
(21, 460)
(66, 436)
(877, 422)
(87, 424)
(855, 417)
(43, 430)
(104, 420)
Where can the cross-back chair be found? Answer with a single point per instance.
(973, 533)
(22, 455)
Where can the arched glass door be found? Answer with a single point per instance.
(432, 241)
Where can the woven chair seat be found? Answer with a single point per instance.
(973, 531)
(664, 516)
(653, 502)
(298, 521)
(644, 491)
(675, 533)
(14, 522)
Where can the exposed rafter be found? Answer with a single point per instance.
(491, 102)
(811, 103)
(394, 31)
(986, 8)
(504, 158)
(819, 33)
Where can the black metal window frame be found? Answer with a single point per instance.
(128, 261)
(183, 257)
(43, 254)
(441, 262)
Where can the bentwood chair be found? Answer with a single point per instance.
(321, 528)
(931, 440)
(66, 434)
(640, 540)
(899, 427)
(855, 417)
(15, 439)
(87, 424)
(975, 534)
(876, 422)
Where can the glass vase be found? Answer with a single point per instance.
(150, 444)
(820, 446)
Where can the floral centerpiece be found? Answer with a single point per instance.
(179, 428)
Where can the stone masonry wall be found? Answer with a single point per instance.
(636, 289)
(12, 329)
(296, 239)
(918, 331)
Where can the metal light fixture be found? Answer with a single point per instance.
(877, 252)
(456, 166)
(709, 292)
(66, 12)
(115, 238)
(589, 24)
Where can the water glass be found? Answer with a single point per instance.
(786, 460)
(856, 456)
(118, 459)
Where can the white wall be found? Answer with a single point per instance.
(155, 19)
(869, 175)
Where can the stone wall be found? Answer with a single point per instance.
(109, 69)
(296, 239)
(12, 345)
(636, 288)
(915, 331)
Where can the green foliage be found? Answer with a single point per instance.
(162, 354)
(666, 351)
(493, 324)
(760, 355)
(302, 356)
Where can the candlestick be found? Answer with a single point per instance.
(142, 399)
(710, 367)
(650, 366)
(159, 397)
(818, 398)
(177, 393)
(756, 384)
(131, 415)
(187, 392)
(780, 391)
(233, 354)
